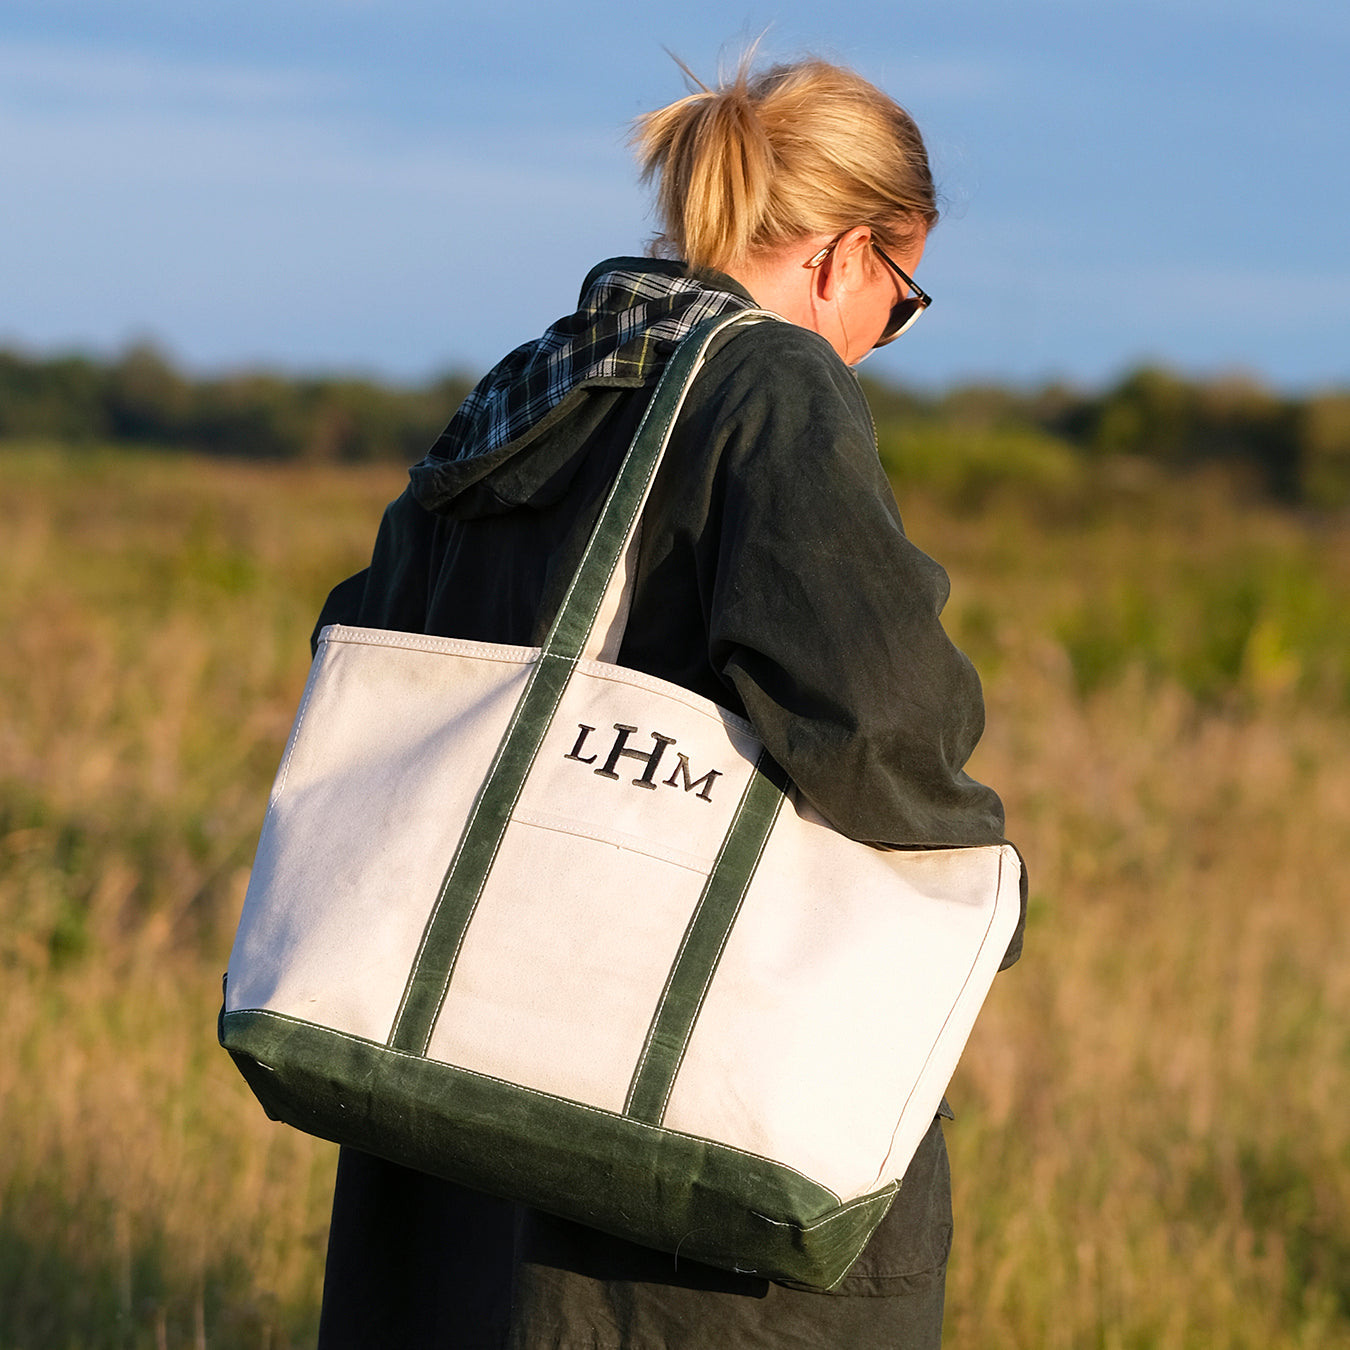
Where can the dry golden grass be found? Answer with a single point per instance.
(1152, 1146)
(158, 612)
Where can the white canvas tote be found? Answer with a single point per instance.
(561, 931)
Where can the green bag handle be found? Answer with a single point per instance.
(570, 636)
(567, 640)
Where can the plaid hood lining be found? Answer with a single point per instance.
(632, 314)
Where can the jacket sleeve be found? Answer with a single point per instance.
(392, 591)
(824, 617)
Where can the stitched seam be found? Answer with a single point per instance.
(630, 843)
(427, 642)
(951, 1009)
(581, 1106)
(631, 552)
(285, 770)
(444, 888)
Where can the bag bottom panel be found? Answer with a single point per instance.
(648, 1185)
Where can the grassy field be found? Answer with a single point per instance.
(1153, 1142)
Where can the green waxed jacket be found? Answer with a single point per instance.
(774, 578)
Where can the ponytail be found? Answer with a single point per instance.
(799, 150)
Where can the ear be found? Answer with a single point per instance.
(848, 268)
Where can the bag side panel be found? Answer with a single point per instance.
(842, 1002)
(389, 751)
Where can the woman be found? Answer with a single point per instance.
(774, 578)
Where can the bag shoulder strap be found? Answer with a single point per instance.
(467, 874)
(590, 620)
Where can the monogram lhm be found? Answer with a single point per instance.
(681, 776)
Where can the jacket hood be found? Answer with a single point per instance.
(513, 441)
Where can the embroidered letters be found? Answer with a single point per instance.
(701, 787)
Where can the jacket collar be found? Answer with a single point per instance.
(632, 314)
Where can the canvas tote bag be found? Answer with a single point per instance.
(563, 932)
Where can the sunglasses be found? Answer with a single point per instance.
(905, 312)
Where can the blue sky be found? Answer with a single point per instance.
(402, 187)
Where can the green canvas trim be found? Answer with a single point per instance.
(704, 940)
(576, 615)
(467, 874)
(702, 1200)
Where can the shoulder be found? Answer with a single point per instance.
(773, 393)
(775, 355)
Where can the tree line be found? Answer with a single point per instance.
(1297, 449)
(141, 398)
(1294, 449)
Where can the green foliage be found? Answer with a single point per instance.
(1236, 624)
(62, 398)
(965, 443)
(1324, 432)
(142, 399)
(1293, 450)
(1233, 420)
(965, 466)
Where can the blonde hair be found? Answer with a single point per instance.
(802, 149)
